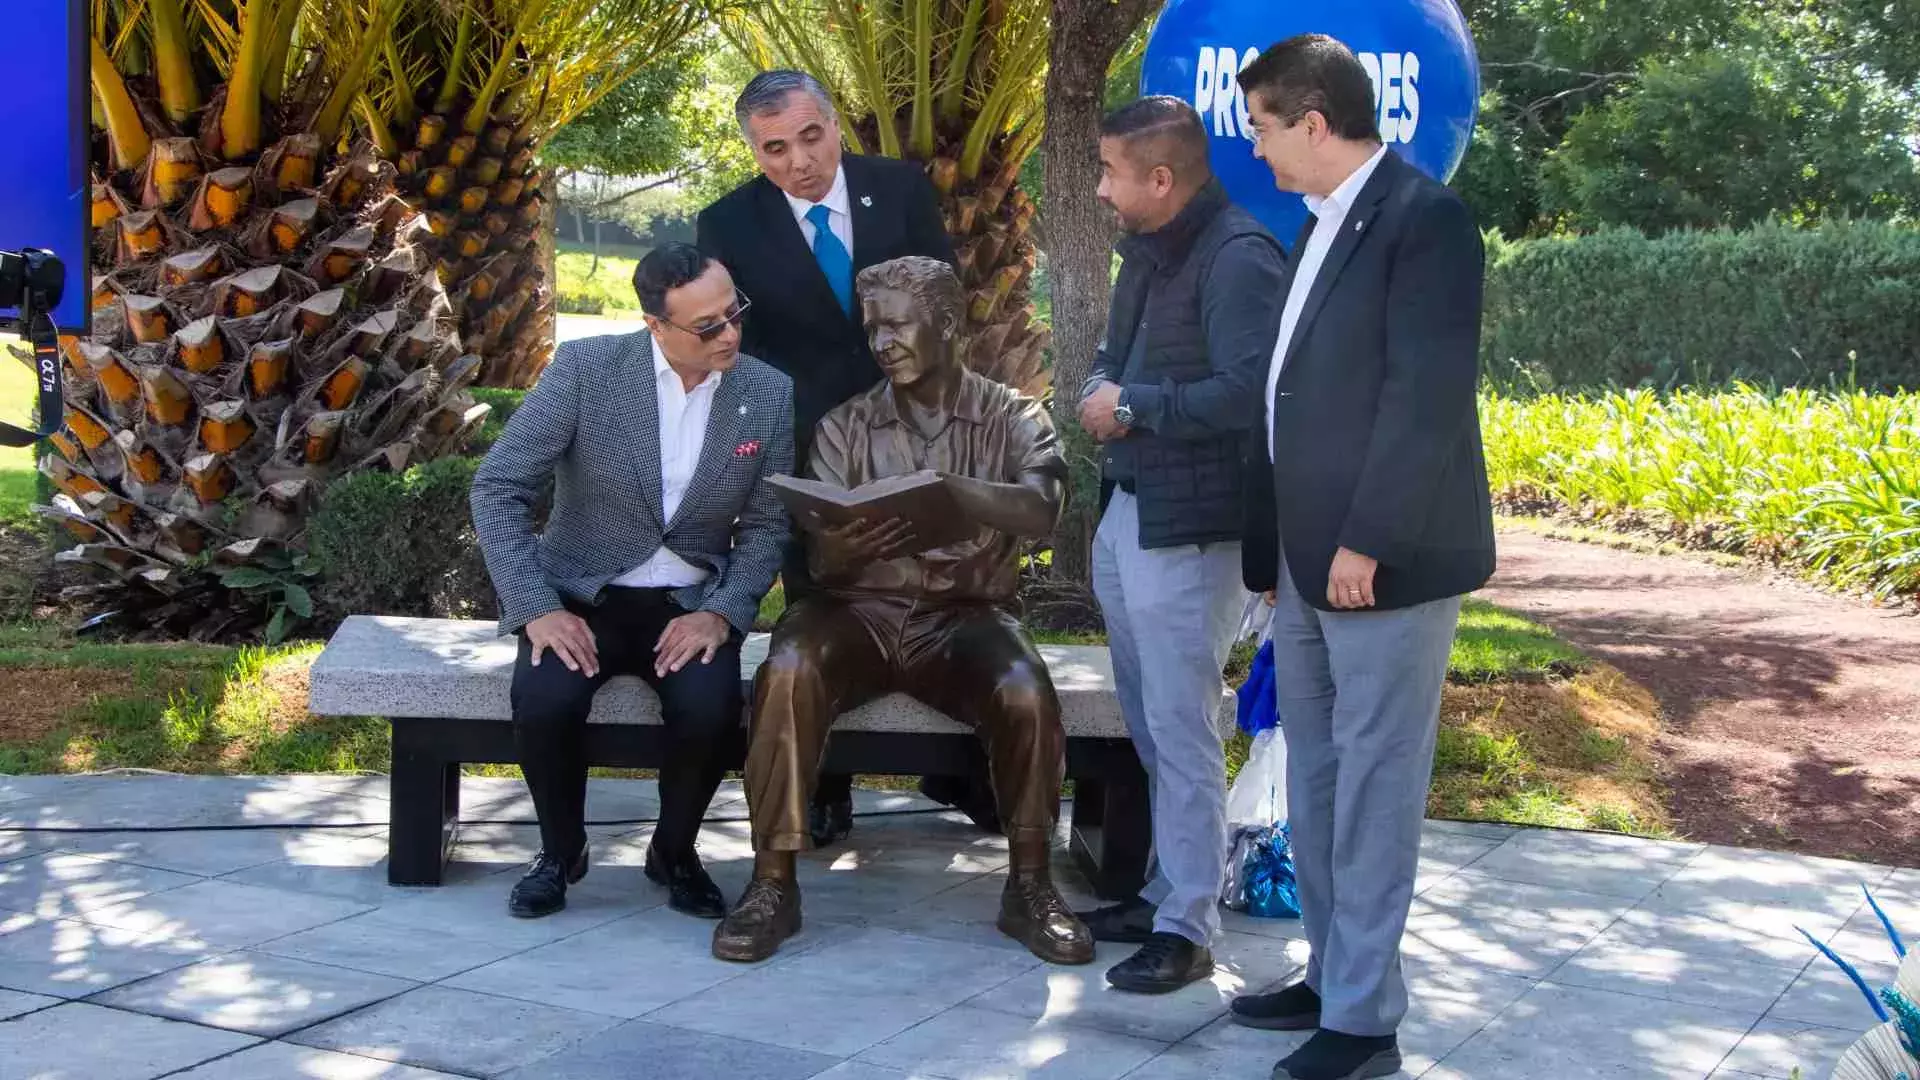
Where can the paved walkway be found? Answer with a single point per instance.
(284, 953)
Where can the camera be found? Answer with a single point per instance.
(31, 278)
(31, 281)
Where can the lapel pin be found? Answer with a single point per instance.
(743, 410)
(1358, 225)
(866, 201)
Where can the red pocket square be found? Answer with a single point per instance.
(747, 449)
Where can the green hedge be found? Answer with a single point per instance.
(1772, 305)
(504, 402)
(400, 544)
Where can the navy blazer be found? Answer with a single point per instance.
(796, 323)
(1375, 421)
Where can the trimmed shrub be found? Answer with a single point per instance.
(504, 402)
(1772, 305)
(400, 544)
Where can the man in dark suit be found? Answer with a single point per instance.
(1383, 521)
(794, 237)
(663, 538)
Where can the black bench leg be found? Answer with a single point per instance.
(1113, 832)
(424, 797)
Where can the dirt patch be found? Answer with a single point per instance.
(1579, 748)
(1792, 715)
(37, 699)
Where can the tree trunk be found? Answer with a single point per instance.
(1086, 34)
(595, 268)
(1079, 252)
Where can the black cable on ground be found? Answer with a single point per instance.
(263, 827)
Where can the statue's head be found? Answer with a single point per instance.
(914, 311)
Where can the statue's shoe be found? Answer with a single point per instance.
(768, 913)
(1033, 913)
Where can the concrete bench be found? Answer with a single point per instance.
(444, 685)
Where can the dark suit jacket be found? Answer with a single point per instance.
(795, 323)
(1375, 420)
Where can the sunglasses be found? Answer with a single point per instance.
(713, 330)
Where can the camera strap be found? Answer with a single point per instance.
(46, 365)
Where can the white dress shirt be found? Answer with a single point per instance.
(839, 217)
(683, 431)
(1329, 214)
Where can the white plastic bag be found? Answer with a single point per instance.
(1259, 794)
(1259, 879)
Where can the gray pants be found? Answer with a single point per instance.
(1359, 706)
(1171, 614)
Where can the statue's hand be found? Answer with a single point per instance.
(869, 541)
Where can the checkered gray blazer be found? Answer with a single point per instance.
(591, 423)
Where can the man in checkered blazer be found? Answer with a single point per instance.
(663, 539)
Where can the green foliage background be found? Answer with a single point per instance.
(1773, 305)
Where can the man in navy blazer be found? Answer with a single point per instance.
(1376, 521)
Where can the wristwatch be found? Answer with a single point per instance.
(1123, 412)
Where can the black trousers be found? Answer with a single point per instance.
(701, 707)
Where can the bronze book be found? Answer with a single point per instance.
(922, 498)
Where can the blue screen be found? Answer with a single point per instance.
(43, 142)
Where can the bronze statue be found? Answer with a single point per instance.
(888, 616)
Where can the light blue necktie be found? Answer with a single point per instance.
(832, 256)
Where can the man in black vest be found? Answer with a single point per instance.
(793, 238)
(1175, 401)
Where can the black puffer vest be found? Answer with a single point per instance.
(1190, 490)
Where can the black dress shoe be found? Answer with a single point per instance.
(830, 822)
(1333, 1055)
(689, 889)
(542, 890)
(1295, 1008)
(1129, 922)
(1164, 964)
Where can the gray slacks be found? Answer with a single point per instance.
(1171, 614)
(1359, 706)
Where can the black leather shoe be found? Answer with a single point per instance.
(1333, 1055)
(1129, 922)
(1164, 964)
(542, 890)
(830, 822)
(1294, 1008)
(689, 889)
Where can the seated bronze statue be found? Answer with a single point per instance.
(934, 625)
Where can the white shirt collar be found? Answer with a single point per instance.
(836, 199)
(663, 370)
(1349, 190)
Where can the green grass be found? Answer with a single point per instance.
(1496, 645)
(1824, 480)
(606, 291)
(17, 476)
(185, 708)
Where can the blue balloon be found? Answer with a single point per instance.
(1426, 81)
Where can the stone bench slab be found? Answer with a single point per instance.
(378, 665)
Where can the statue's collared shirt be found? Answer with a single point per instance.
(993, 434)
